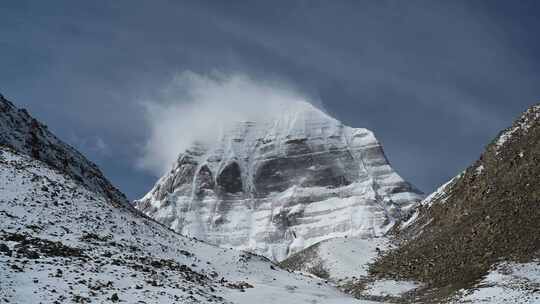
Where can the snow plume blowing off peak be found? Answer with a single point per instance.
(198, 108)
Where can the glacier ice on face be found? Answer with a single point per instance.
(281, 184)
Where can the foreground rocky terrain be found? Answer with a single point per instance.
(277, 186)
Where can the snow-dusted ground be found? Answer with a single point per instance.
(346, 261)
(393, 288)
(348, 257)
(61, 242)
(517, 283)
(344, 258)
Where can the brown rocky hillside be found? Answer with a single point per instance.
(489, 213)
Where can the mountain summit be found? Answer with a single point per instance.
(280, 184)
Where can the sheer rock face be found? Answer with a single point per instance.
(279, 185)
(24, 134)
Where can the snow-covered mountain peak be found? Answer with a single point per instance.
(279, 184)
(298, 120)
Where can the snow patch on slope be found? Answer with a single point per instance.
(392, 288)
(350, 257)
(506, 283)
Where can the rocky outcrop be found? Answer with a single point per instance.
(24, 134)
(487, 214)
(282, 184)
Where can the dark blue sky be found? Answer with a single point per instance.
(435, 81)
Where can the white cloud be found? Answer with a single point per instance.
(196, 107)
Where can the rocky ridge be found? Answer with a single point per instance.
(486, 215)
(23, 133)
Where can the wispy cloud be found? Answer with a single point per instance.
(195, 107)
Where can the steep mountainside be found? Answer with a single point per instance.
(25, 134)
(282, 184)
(488, 214)
(60, 243)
